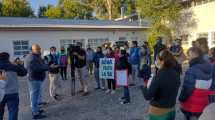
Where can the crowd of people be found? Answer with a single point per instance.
(159, 84)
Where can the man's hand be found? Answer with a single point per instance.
(2, 75)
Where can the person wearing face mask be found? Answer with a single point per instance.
(177, 50)
(98, 55)
(63, 63)
(53, 73)
(36, 74)
(159, 46)
(197, 83)
(163, 90)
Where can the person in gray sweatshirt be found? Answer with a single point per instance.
(11, 97)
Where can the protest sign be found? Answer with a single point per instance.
(106, 68)
(122, 77)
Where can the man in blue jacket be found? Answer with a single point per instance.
(11, 97)
(36, 74)
(134, 60)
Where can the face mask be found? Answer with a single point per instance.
(52, 53)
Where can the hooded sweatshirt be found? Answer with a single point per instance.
(199, 70)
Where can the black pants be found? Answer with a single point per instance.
(111, 84)
(189, 115)
(63, 72)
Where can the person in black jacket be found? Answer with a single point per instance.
(10, 73)
(159, 46)
(123, 64)
(163, 90)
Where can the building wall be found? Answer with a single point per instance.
(52, 38)
(205, 17)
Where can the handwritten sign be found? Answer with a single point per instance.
(106, 68)
(122, 77)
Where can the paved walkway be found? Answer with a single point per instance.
(97, 106)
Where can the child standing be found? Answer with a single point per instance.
(111, 82)
(123, 64)
(2, 85)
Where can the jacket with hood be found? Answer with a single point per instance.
(11, 71)
(197, 82)
(36, 67)
(97, 57)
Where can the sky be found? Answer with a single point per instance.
(36, 3)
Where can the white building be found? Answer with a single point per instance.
(18, 34)
(205, 17)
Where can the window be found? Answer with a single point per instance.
(205, 35)
(122, 38)
(95, 42)
(21, 47)
(67, 42)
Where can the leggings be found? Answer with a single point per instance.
(63, 72)
(111, 84)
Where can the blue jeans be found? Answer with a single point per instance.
(12, 102)
(35, 95)
(96, 74)
(126, 93)
(135, 70)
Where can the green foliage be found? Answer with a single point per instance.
(111, 9)
(70, 9)
(42, 10)
(16, 8)
(53, 12)
(161, 14)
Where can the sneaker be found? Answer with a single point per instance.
(103, 88)
(98, 88)
(125, 102)
(80, 91)
(43, 103)
(107, 91)
(113, 92)
(41, 111)
(39, 116)
(122, 98)
(85, 93)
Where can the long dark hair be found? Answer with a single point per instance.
(168, 59)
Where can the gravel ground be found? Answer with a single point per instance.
(96, 106)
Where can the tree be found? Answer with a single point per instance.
(42, 10)
(53, 12)
(70, 9)
(162, 14)
(16, 8)
(111, 9)
(0, 9)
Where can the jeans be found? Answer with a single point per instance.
(126, 93)
(12, 102)
(35, 95)
(134, 73)
(96, 74)
(90, 67)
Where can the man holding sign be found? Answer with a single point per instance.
(122, 73)
(106, 70)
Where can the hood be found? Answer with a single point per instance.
(202, 69)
